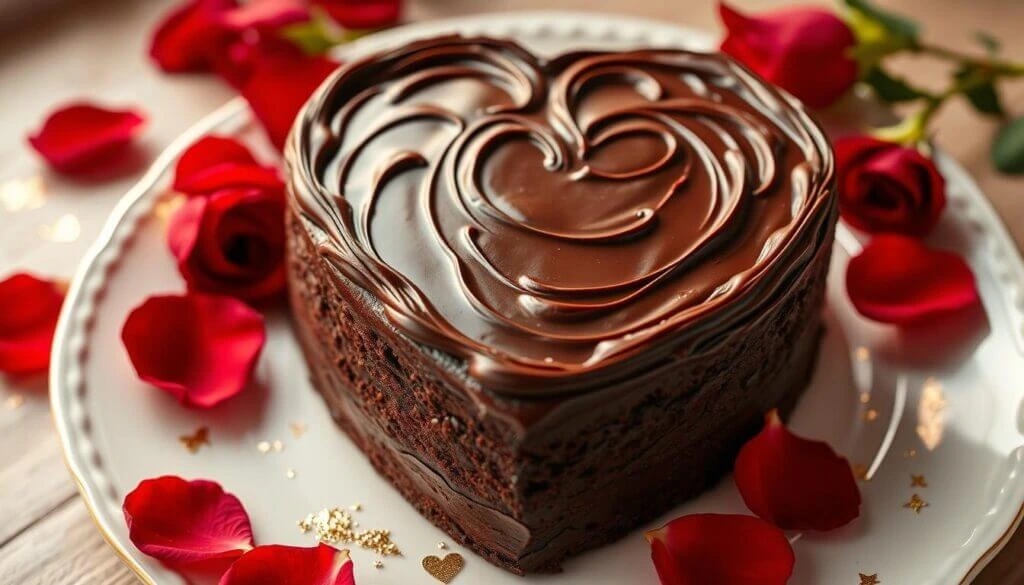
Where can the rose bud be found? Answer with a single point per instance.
(806, 51)
(231, 242)
(886, 187)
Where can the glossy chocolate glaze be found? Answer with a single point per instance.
(564, 223)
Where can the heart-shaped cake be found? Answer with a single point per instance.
(551, 297)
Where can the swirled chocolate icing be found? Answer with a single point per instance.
(560, 223)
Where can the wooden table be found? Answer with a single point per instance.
(96, 48)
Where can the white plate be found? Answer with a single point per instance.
(899, 405)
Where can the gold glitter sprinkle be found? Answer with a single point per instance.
(870, 415)
(918, 481)
(298, 429)
(196, 440)
(335, 526)
(869, 579)
(65, 229)
(861, 472)
(290, 474)
(931, 418)
(378, 564)
(915, 504)
(444, 570)
(862, 354)
(14, 402)
(910, 453)
(277, 446)
(441, 545)
(356, 507)
(865, 397)
(168, 206)
(263, 446)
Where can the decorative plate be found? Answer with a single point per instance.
(934, 428)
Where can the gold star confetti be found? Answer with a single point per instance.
(915, 504)
(918, 481)
(869, 579)
(298, 429)
(14, 402)
(861, 472)
(335, 526)
(910, 453)
(870, 415)
(378, 564)
(196, 440)
(263, 446)
(444, 570)
(290, 474)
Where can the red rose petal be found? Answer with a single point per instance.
(82, 137)
(897, 279)
(187, 523)
(217, 162)
(721, 549)
(795, 483)
(279, 85)
(30, 310)
(291, 565)
(362, 14)
(266, 14)
(192, 37)
(231, 242)
(199, 348)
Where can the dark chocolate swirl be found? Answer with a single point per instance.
(558, 223)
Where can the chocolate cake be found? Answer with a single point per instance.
(549, 298)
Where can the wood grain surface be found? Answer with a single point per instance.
(96, 48)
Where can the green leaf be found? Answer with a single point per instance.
(989, 42)
(896, 25)
(982, 94)
(314, 37)
(1008, 148)
(891, 89)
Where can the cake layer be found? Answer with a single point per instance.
(559, 224)
(594, 468)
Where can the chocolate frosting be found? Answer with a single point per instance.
(560, 223)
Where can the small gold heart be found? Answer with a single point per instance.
(444, 570)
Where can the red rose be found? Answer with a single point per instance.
(806, 51)
(362, 14)
(192, 37)
(231, 242)
(885, 187)
(278, 84)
